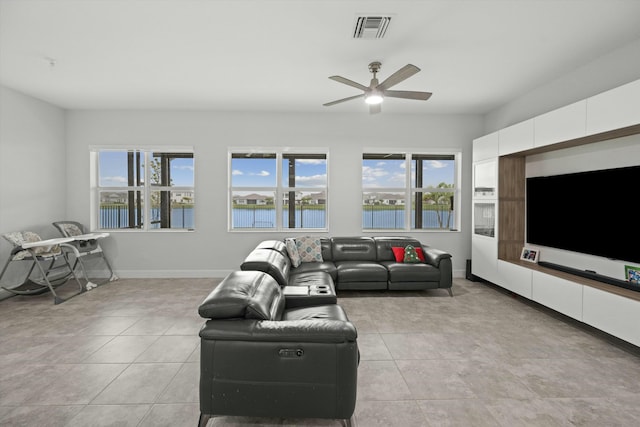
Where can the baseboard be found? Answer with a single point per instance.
(161, 274)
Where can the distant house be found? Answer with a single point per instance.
(113, 197)
(182, 197)
(251, 199)
(310, 199)
(389, 199)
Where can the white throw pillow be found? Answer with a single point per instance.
(292, 250)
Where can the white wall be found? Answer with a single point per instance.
(607, 72)
(212, 251)
(33, 170)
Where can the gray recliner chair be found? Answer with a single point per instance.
(259, 359)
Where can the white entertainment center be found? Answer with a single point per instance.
(608, 122)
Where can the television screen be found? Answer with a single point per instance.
(596, 212)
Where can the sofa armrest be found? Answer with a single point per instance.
(442, 261)
(312, 330)
(434, 256)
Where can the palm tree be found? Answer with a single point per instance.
(442, 201)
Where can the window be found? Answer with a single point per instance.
(410, 191)
(124, 199)
(278, 190)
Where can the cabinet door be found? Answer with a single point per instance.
(614, 314)
(518, 137)
(560, 125)
(485, 179)
(559, 294)
(613, 109)
(515, 278)
(486, 147)
(484, 257)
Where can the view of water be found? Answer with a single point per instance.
(266, 218)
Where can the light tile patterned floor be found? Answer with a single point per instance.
(127, 354)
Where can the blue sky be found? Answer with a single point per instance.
(254, 172)
(113, 170)
(392, 173)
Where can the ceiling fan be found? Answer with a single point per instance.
(375, 93)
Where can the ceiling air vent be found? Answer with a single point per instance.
(371, 27)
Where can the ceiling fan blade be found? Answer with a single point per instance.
(407, 94)
(375, 108)
(328, 104)
(349, 82)
(399, 76)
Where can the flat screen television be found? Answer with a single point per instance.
(595, 212)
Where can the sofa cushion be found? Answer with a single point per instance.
(312, 278)
(353, 249)
(276, 245)
(328, 312)
(244, 295)
(271, 262)
(309, 249)
(401, 272)
(309, 267)
(361, 271)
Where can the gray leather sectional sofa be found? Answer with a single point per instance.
(277, 344)
(357, 263)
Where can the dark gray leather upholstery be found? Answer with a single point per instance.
(276, 245)
(360, 263)
(353, 249)
(258, 359)
(269, 261)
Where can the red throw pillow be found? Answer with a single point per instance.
(399, 254)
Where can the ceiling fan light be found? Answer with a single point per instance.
(373, 99)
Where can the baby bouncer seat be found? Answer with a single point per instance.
(51, 259)
(85, 245)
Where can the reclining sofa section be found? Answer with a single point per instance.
(260, 359)
(356, 263)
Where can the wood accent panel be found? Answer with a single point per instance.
(511, 207)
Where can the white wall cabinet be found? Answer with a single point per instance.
(486, 147)
(614, 314)
(515, 278)
(614, 109)
(518, 137)
(559, 294)
(559, 125)
(610, 312)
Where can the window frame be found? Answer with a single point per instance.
(280, 189)
(410, 189)
(146, 188)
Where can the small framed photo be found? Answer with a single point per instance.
(530, 255)
(632, 274)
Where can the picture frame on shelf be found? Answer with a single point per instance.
(530, 255)
(632, 274)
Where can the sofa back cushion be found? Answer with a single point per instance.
(276, 245)
(384, 245)
(353, 249)
(269, 261)
(244, 295)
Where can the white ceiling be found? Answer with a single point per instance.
(269, 55)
